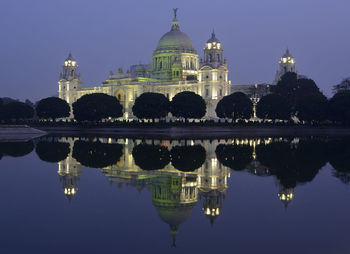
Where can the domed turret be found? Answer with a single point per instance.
(287, 64)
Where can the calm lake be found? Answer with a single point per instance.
(111, 195)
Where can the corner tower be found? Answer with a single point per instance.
(287, 64)
(70, 80)
(213, 74)
(175, 58)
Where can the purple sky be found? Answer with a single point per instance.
(37, 35)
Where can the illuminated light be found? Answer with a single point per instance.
(219, 45)
(207, 211)
(209, 45)
(217, 212)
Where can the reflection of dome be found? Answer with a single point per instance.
(174, 216)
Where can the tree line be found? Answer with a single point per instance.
(292, 98)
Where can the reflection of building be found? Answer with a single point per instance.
(286, 195)
(174, 197)
(69, 171)
(212, 183)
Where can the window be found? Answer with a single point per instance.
(220, 92)
(206, 92)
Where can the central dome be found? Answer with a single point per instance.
(176, 40)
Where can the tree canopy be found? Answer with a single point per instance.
(235, 106)
(343, 86)
(151, 106)
(188, 158)
(16, 110)
(339, 107)
(312, 107)
(52, 108)
(97, 106)
(273, 106)
(292, 89)
(151, 157)
(96, 154)
(52, 151)
(188, 105)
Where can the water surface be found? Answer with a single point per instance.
(106, 195)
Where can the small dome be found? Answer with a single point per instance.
(287, 54)
(70, 57)
(213, 39)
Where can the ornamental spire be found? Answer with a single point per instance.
(175, 23)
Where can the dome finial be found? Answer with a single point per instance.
(175, 23)
(213, 33)
(175, 12)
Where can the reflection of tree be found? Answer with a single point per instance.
(96, 154)
(339, 158)
(16, 149)
(293, 165)
(52, 151)
(188, 158)
(151, 157)
(233, 156)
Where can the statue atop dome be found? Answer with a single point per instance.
(175, 12)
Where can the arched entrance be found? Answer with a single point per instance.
(120, 95)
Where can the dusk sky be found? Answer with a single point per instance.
(37, 35)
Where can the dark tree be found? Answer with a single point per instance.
(312, 107)
(52, 108)
(287, 86)
(151, 157)
(52, 151)
(293, 89)
(96, 154)
(16, 149)
(16, 110)
(234, 156)
(343, 86)
(97, 106)
(235, 106)
(151, 106)
(273, 106)
(188, 105)
(339, 108)
(188, 158)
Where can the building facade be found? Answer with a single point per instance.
(175, 68)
